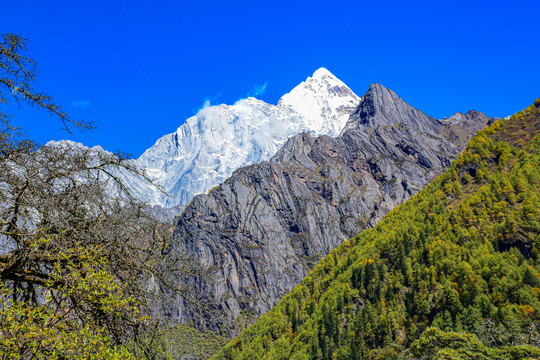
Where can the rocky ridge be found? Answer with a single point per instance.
(263, 229)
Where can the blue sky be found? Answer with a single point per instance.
(138, 69)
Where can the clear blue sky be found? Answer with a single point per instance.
(138, 69)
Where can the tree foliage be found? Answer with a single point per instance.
(52, 329)
(460, 256)
(440, 345)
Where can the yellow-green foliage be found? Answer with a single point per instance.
(440, 345)
(47, 330)
(35, 332)
(462, 255)
(185, 341)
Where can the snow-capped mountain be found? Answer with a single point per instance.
(324, 100)
(209, 146)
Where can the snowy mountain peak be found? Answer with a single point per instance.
(323, 72)
(323, 96)
(209, 146)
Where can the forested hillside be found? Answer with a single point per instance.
(461, 256)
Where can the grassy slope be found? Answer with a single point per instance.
(461, 255)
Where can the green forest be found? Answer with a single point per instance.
(453, 273)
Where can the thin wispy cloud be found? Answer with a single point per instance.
(208, 101)
(83, 104)
(257, 90)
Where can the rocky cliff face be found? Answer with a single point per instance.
(262, 230)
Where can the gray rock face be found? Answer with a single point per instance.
(262, 230)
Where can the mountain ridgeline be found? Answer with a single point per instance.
(258, 234)
(462, 255)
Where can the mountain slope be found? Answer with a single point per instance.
(463, 255)
(260, 232)
(209, 146)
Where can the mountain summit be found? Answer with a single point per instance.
(382, 107)
(323, 97)
(209, 146)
